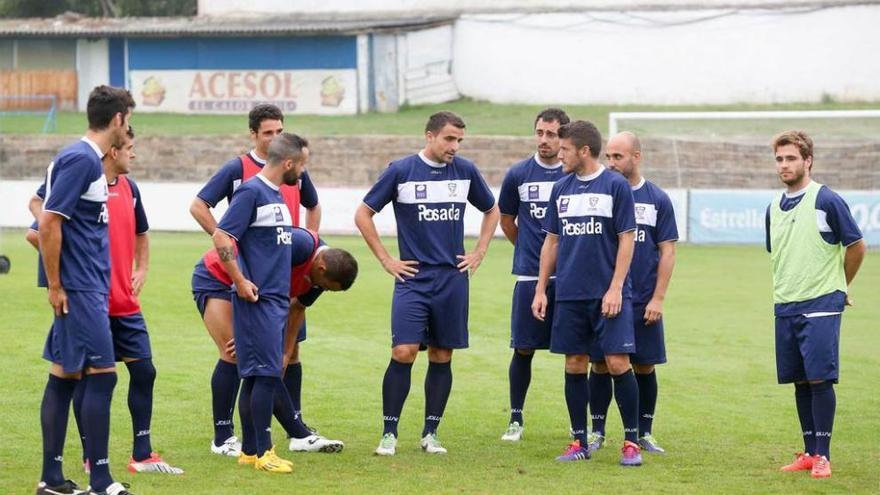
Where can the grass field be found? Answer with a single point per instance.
(482, 118)
(726, 424)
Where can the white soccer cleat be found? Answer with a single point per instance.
(431, 445)
(231, 447)
(316, 443)
(388, 445)
(514, 432)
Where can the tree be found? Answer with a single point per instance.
(97, 8)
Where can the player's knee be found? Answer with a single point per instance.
(599, 367)
(576, 364)
(142, 372)
(643, 369)
(439, 355)
(405, 353)
(525, 352)
(618, 364)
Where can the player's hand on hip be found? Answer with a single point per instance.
(230, 348)
(400, 268)
(612, 302)
(470, 261)
(653, 312)
(58, 300)
(247, 291)
(138, 279)
(847, 301)
(539, 305)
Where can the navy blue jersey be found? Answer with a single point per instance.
(836, 226)
(655, 220)
(140, 216)
(227, 180)
(76, 189)
(429, 202)
(588, 213)
(260, 222)
(524, 195)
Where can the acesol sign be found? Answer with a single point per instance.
(233, 91)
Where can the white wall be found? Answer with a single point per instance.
(225, 7)
(670, 57)
(92, 68)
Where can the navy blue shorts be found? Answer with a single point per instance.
(205, 286)
(81, 338)
(526, 331)
(650, 343)
(259, 334)
(580, 328)
(431, 309)
(807, 348)
(130, 337)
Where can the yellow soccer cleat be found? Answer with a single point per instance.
(245, 460)
(271, 463)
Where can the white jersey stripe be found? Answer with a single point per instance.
(273, 215)
(535, 191)
(585, 205)
(438, 191)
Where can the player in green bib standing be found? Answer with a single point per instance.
(816, 249)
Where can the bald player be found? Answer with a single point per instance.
(651, 269)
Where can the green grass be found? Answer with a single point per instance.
(483, 118)
(726, 424)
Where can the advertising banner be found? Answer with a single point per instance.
(321, 92)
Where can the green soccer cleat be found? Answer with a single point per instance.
(388, 445)
(514, 432)
(431, 444)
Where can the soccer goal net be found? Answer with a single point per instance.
(28, 113)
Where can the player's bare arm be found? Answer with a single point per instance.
(313, 218)
(547, 266)
(35, 205)
(509, 227)
(202, 213)
(295, 320)
(363, 218)
(50, 239)
(471, 261)
(613, 299)
(226, 250)
(141, 262)
(852, 261)
(654, 309)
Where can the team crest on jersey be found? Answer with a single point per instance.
(563, 204)
(640, 212)
(452, 189)
(279, 216)
(421, 191)
(593, 201)
(533, 192)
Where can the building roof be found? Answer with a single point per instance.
(72, 25)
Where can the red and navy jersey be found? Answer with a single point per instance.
(76, 189)
(524, 195)
(429, 202)
(227, 180)
(655, 220)
(127, 221)
(305, 246)
(588, 213)
(260, 223)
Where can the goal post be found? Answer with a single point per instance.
(25, 111)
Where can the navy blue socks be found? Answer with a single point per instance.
(54, 411)
(96, 419)
(824, 405)
(224, 388)
(293, 382)
(803, 398)
(577, 395)
(395, 388)
(520, 375)
(142, 376)
(626, 393)
(438, 385)
(285, 414)
(600, 398)
(78, 394)
(647, 401)
(246, 417)
(261, 410)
